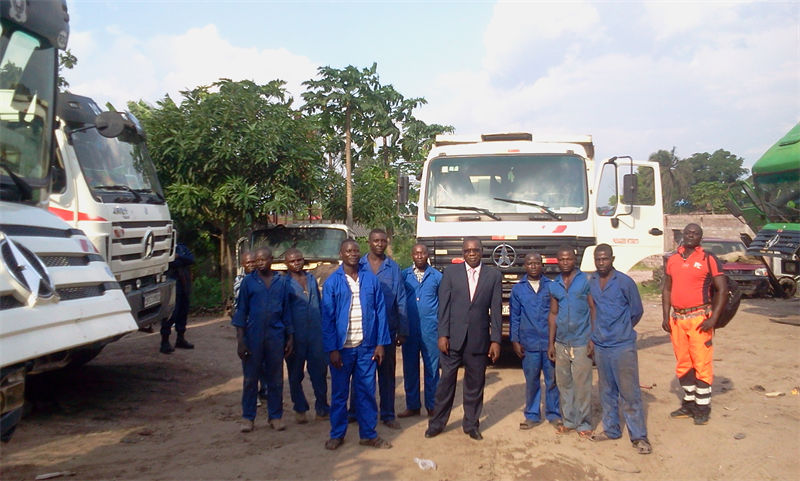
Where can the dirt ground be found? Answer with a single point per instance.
(133, 413)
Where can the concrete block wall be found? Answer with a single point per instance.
(723, 226)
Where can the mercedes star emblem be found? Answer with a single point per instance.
(504, 256)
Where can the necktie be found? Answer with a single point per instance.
(473, 282)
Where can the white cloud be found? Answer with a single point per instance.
(731, 78)
(119, 67)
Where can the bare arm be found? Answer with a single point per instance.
(665, 305)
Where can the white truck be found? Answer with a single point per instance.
(58, 298)
(107, 186)
(518, 193)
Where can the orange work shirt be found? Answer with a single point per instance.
(692, 277)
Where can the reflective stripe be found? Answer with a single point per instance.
(689, 388)
(703, 401)
(688, 397)
(704, 391)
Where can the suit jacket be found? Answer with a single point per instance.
(472, 325)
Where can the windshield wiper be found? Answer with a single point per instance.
(120, 187)
(486, 212)
(25, 189)
(151, 191)
(532, 204)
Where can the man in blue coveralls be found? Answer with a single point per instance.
(304, 303)
(529, 308)
(618, 308)
(264, 334)
(354, 333)
(394, 295)
(422, 296)
(570, 320)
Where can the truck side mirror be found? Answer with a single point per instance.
(630, 186)
(402, 189)
(110, 124)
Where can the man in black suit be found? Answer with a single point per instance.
(470, 299)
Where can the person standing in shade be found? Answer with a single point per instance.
(570, 320)
(688, 277)
(354, 333)
(422, 296)
(248, 264)
(470, 310)
(264, 335)
(394, 294)
(304, 302)
(618, 308)
(529, 308)
(180, 270)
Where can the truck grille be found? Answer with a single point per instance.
(65, 261)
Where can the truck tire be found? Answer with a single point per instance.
(789, 286)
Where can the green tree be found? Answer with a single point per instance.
(674, 177)
(232, 153)
(721, 166)
(709, 196)
(343, 99)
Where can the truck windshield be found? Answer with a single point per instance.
(115, 166)
(512, 187)
(780, 193)
(316, 243)
(27, 89)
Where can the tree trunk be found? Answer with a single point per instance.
(226, 278)
(348, 170)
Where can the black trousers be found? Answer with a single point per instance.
(474, 381)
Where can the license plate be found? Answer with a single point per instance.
(151, 298)
(506, 310)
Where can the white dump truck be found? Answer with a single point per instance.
(518, 193)
(107, 186)
(59, 301)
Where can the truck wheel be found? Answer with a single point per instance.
(789, 286)
(82, 356)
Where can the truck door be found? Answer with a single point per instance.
(629, 214)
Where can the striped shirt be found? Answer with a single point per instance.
(355, 334)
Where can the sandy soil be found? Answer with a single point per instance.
(136, 414)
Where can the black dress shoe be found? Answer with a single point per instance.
(476, 435)
(432, 433)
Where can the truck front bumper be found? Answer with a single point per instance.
(152, 304)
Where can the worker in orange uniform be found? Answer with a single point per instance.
(690, 314)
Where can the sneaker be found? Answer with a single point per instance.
(300, 418)
(247, 426)
(277, 424)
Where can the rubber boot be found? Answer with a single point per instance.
(166, 347)
(182, 343)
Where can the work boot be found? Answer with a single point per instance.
(166, 347)
(702, 414)
(182, 343)
(687, 410)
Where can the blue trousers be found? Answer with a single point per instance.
(534, 364)
(574, 381)
(358, 366)
(308, 353)
(416, 344)
(265, 357)
(618, 373)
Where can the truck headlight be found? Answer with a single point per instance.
(761, 271)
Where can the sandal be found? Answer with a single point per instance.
(376, 442)
(642, 446)
(585, 434)
(333, 443)
(601, 437)
(561, 429)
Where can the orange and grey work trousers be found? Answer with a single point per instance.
(694, 352)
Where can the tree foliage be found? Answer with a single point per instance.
(699, 182)
(232, 153)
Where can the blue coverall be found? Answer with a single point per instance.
(357, 361)
(573, 366)
(307, 319)
(422, 300)
(180, 270)
(528, 326)
(394, 295)
(266, 318)
(618, 308)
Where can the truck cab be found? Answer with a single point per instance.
(107, 186)
(59, 301)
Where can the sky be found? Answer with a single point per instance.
(637, 76)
